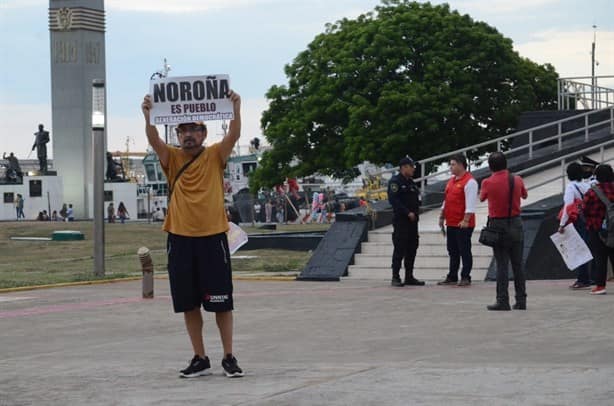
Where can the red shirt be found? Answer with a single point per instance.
(496, 189)
(594, 210)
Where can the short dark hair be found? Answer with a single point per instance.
(574, 171)
(497, 161)
(459, 159)
(604, 173)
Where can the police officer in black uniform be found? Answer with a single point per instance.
(404, 196)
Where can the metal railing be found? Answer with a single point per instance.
(600, 148)
(530, 146)
(584, 93)
(562, 161)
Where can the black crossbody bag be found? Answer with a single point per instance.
(183, 168)
(494, 236)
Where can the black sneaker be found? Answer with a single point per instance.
(413, 282)
(198, 367)
(231, 368)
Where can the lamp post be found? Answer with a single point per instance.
(593, 63)
(98, 123)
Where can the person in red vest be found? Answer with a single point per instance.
(458, 212)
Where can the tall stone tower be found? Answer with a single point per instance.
(77, 39)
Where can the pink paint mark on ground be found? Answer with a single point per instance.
(337, 290)
(34, 311)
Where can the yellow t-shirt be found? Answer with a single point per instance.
(196, 208)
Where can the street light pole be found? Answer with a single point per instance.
(593, 81)
(98, 124)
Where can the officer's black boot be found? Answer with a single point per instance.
(396, 279)
(411, 281)
(521, 303)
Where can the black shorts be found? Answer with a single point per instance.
(199, 272)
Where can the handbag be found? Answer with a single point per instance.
(491, 236)
(494, 236)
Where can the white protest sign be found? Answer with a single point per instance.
(236, 237)
(572, 247)
(186, 99)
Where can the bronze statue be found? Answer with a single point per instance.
(40, 143)
(13, 172)
(114, 169)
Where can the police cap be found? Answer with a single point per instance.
(588, 161)
(406, 160)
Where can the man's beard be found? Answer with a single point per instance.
(189, 144)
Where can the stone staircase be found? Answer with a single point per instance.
(431, 261)
(432, 258)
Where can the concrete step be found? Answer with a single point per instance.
(428, 237)
(426, 262)
(358, 272)
(385, 249)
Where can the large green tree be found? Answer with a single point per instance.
(407, 78)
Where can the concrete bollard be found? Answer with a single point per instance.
(147, 268)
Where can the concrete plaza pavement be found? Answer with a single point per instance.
(354, 342)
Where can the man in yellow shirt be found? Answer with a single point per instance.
(198, 256)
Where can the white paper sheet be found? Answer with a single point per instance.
(572, 247)
(236, 237)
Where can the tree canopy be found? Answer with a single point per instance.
(407, 78)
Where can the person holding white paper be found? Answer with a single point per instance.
(576, 189)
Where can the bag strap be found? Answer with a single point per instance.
(183, 168)
(606, 202)
(578, 189)
(509, 213)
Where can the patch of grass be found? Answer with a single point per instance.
(270, 261)
(28, 263)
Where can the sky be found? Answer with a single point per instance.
(252, 41)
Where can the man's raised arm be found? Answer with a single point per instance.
(152, 133)
(234, 131)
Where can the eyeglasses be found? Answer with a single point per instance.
(190, 129)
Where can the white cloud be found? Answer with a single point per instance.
(503, 6)
(6, 4)
(570, 52)
(165, 6)
(157, 6)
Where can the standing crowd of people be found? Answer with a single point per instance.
(586, 202)
(589, 195)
